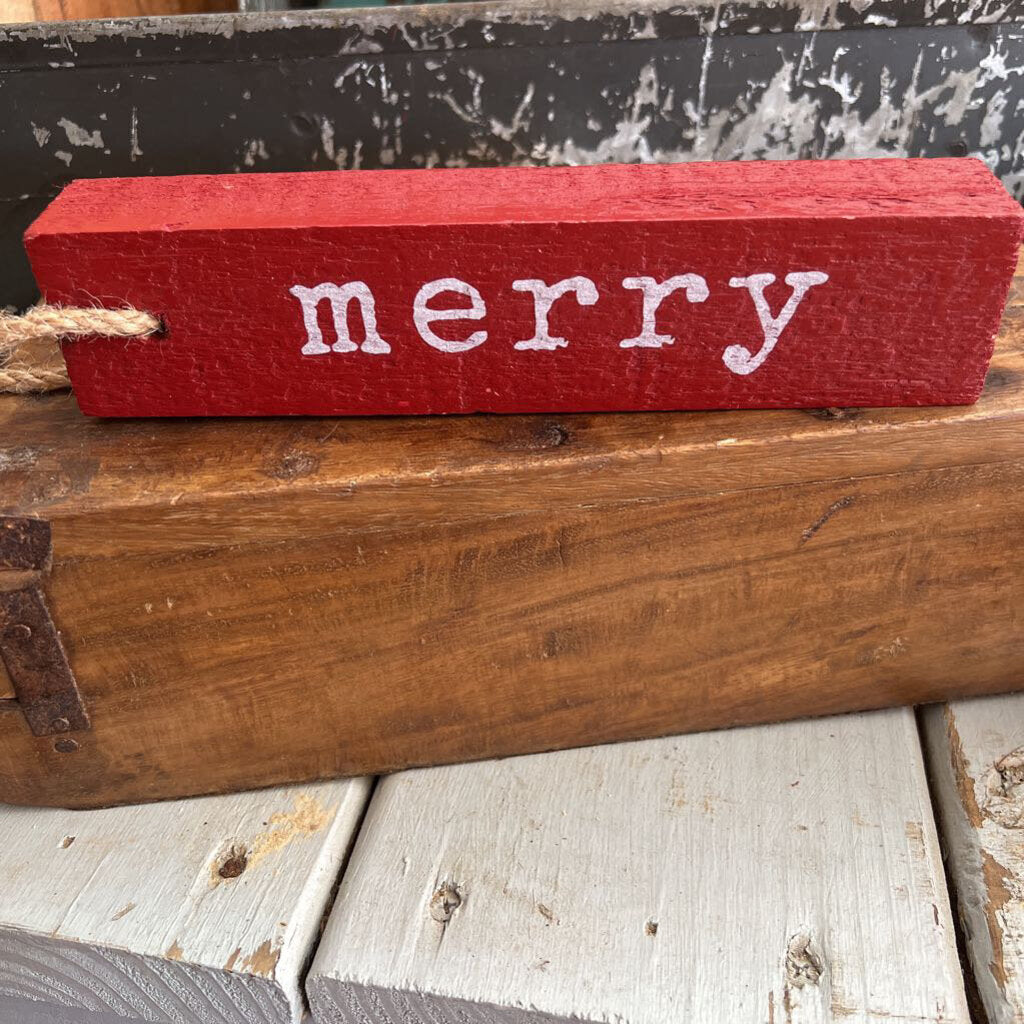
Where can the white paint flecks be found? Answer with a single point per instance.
(134, 152)
(340, 155)
(340, 158)
(778, 123)
(627, 142)
(79, 136)
(520, 119)
(786, 117)
(702, 87)
(890, 128)
(42, 135)
(255, 149)
(799, 108)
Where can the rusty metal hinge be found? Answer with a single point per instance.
(30, 647)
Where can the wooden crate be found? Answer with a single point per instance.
(252, 603)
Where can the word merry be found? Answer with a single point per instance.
(737, 358)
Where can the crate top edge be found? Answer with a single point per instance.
(460, 26)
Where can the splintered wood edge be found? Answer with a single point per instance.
(976, 761)
(775, 873)
(162, 908)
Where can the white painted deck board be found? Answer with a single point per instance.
(777, 874)
(122, 915)
(976, 755)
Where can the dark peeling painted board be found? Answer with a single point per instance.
(471, 85)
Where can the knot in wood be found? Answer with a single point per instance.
(803, 965)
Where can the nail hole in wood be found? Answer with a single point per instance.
(236, 862)
(445, 901)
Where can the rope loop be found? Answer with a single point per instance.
(30, 359)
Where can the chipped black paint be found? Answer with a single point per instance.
(472, 85)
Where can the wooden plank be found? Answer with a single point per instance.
(195, 912)
(15, 11)
(636, 287)
(20, 11)
(787, 873)
(499, 585)
(976, 758)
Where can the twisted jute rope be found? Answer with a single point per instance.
(30, 359)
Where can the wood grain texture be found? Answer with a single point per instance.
(788, 873)
(6, 686)
(639, 287)
(31, 1011)
(353, 596)
(976, 755)
(195, 912)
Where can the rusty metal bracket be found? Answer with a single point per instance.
(30, 645)
(25, 544)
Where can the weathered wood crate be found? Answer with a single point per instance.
(244, 603)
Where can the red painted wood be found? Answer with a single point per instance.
(918, 256)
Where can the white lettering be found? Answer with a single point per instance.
(544, 296)
(423, 316)
(339, 297)
(738, 358)
(696, 291)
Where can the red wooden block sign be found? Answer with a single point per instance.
(690, 286)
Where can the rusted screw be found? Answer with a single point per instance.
(18, 631)
(60, 725)
(65, 746)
